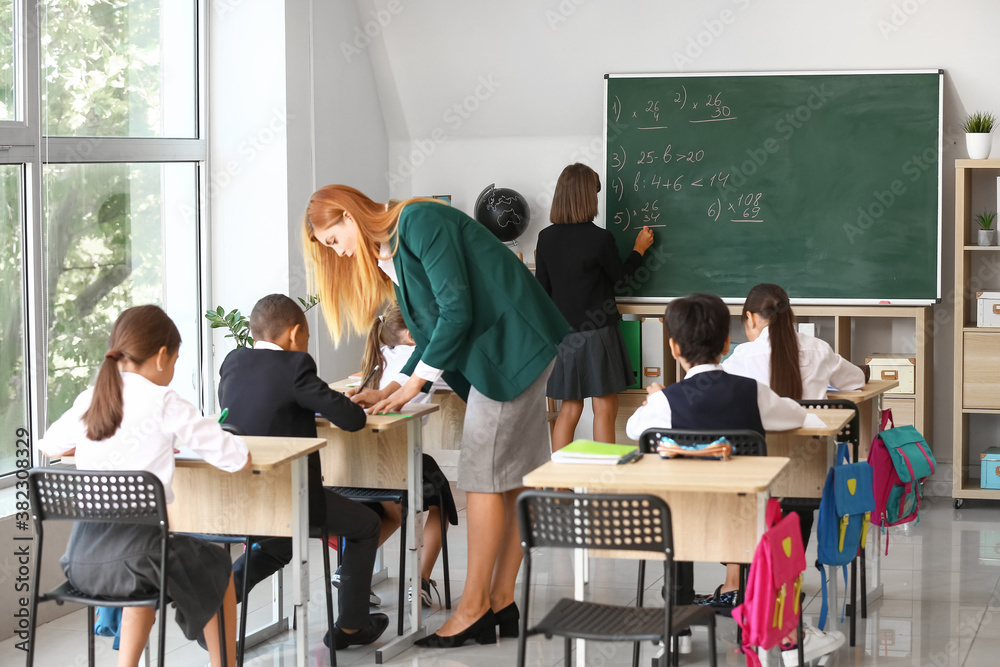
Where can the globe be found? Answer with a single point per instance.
(502, 211)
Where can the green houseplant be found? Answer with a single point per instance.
(985, 219)
(238, 324)
(978, 127)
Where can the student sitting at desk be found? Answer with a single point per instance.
(130, 420)
(710, 399)
(793, 364)
(387, 349)
(273, 389)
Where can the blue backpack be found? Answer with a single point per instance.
(844, 514)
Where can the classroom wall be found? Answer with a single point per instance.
(467, 105)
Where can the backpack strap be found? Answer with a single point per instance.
(887, 419)
(824, 604)
(843, 453)
(773, 513)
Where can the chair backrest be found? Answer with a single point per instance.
(595, 521)
(744, 442)
(133, 496)
(851, 433)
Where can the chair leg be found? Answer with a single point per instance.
(640, 585)
(568, 648)
(329, 601)
(712, 656)
(864, 585)
(854, 599)
(223, 639)
(241, 639)
(444, 556)
(90, 636)
(800, 636)
(402, 570)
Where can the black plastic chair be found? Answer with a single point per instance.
(744, 442)
(639, 523)
(851, 434)
(124, 497)
(400, 497)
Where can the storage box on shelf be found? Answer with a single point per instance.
(894, 367)
(989, 468)
(977, 348)
(988, 309)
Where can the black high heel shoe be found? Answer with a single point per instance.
(507, 619)
(483, 631)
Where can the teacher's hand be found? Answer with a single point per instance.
(400, 397)
(369, 397)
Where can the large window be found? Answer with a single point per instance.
(104, 206)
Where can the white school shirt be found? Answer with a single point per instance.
(821, 367)
(395, 358)
(154, 419)
(776, 413)
(422, 370)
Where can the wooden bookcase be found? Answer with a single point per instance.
(977, 349)
(912, 408)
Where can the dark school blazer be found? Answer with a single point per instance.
(277, 392)
(473, 308)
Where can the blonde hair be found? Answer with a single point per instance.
(389, 329)
(351, 289)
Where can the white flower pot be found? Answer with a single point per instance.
(979, 144)
(986, 236)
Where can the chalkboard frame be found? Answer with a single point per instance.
(733, 299)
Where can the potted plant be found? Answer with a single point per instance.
(238, 324)
(978, 134)
(985, 220)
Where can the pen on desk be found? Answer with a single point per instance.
(223, 415)
(631, 457)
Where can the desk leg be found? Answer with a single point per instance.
(300, 561)
(414, 539)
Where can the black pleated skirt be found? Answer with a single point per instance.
(591, 363)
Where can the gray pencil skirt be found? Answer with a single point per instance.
(504, 440)
(117, 560)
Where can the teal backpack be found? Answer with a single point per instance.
(844, 514)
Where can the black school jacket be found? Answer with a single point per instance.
(276, 392)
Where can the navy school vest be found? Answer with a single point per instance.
(716, 401)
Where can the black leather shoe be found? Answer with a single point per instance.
(507, 619)
(376, 626)
(483, 631)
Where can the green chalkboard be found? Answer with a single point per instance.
(827, 184)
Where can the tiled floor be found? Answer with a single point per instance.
(941, 607)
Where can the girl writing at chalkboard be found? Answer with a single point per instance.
(577, 263)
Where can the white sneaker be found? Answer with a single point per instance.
(816, 644)
(684, 643)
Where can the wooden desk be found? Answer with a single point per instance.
(869, 402)
(810, 454)
(717, 507)
(269, 499)
(386, 454)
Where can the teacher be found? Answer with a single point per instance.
(480, 320)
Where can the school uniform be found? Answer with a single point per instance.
(482, 322)
(579, 267)
(820, 366)
(105, 559)
(708, 398)
(271, 391)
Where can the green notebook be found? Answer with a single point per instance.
(588, 451)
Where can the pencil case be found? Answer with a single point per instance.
(720, 449)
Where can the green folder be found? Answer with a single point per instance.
(588, 451)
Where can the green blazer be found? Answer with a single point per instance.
(473, 309)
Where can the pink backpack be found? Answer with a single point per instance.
(901, 460)
(770, 609)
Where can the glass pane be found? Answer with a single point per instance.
(13, 407)
(7, 60)
(116, 236)
(119, 69)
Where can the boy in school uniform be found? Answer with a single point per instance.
(708, 398)
(273, 389)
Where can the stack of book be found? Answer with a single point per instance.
(602, 453)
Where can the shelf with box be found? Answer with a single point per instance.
(976, 408)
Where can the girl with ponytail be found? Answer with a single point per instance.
(130, 420)
(793, 365)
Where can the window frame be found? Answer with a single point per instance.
(22, 143)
